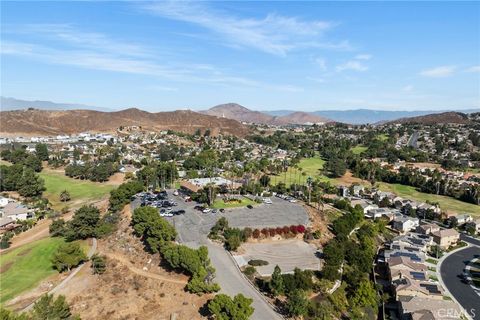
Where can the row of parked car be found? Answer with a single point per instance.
(159, 200)
(286, 197)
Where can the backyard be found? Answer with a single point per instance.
(81, 191)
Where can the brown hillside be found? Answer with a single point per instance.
(74, 121)
(299, 118)
(240, 113)
(431, 119)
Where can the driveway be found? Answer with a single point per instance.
(451, 270)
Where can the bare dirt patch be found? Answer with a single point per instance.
(135, 285)
(117, 179)
(348, 179)
(5, 267)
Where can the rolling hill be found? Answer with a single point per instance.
(240, 113)
(48, 122)
(436, 118)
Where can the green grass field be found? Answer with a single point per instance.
(446, 203)
(220, 204)
(23, 268)
(359, 149)
(383, 137)
(80, 190)
(311, 166)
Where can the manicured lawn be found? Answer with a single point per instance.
(80, 190)
(446, 203)
(311, 166)
(359, 149)
(23, 268)
(220, 204)
(432, 261)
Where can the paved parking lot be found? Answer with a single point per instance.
(287, 254)
(194, 225)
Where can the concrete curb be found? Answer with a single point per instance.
(440, 280)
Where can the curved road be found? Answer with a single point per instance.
(451, 269)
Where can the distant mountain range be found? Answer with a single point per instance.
(240, 113)
(8, 104)
(364, 116)
(53, 122)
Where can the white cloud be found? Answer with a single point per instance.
(439, 72)
(363, 57)
(274, 34)
(473, 69)
(408, 88)
(352, 65)
(321, 63)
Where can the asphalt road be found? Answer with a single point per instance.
(451, 269)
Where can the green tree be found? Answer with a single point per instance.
(365, 295)
(99, 264)
(83, 224)
(65, 196)
(297, 303)
(58, 228)
(67, 256)
(29, 184)
(155, 230)
(49, 308)
(5, 241)
(222, 307)
(41, 151)
(276, 283)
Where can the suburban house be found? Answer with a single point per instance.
(400, 266)
(420, 241)
(410, 287)
(16, 211)
(381, 212)
(445, 238)
(419, 308)
(461, 219)
(427, 228)
(366, 205)
(404, 223)
(7, 224)
(475, 224)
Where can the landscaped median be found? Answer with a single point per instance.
(236, 202)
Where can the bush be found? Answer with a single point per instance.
(257, 262)
(249, 271)
(256, 233)
(67, 256)
(300, 228)
(99, 264)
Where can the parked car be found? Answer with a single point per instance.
(206, 210)
(292, 200)
(175, 193)
(214, 211)
(222, 210)
(250, 206)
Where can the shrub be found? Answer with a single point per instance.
(249, 271)
(293, 229)
(247, 233)
(265, 232)
(286, 230)
(272, 232)
(300, 228)
(279, 230)
(256, 233)
(257, 262)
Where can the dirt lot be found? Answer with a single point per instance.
(287, 254)
(134, 286)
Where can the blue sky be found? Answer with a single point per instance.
(264, 55)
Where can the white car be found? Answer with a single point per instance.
(292, 200)
(175, 193)
(206, 210)
(267, 201)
